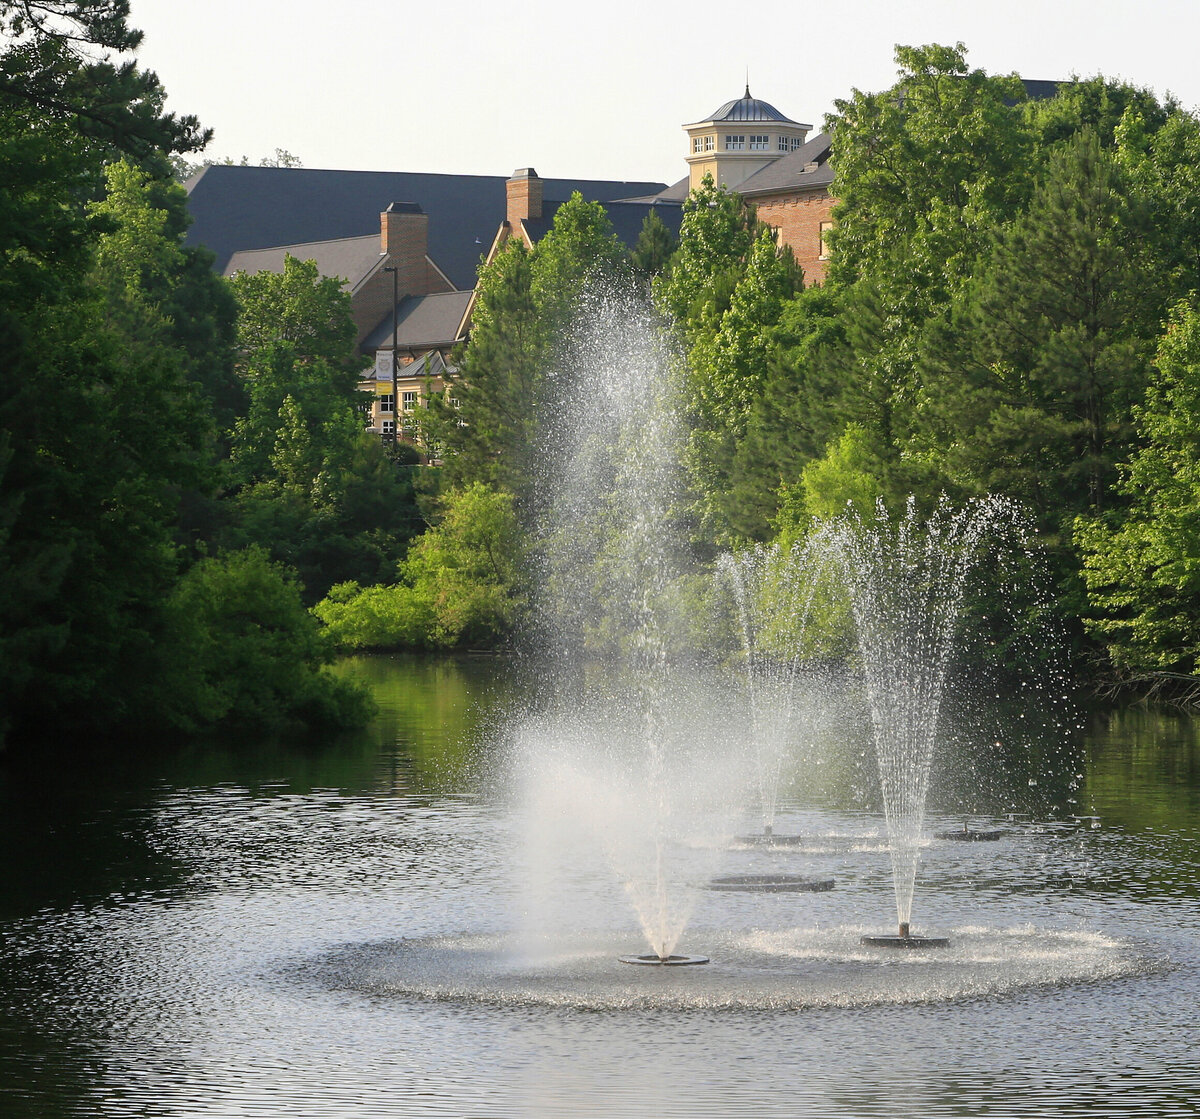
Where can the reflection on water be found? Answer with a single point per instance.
(274, 930)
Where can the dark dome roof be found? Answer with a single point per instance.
(749, 108)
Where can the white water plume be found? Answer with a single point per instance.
(621, 754)
(774, 591)
(906, 579)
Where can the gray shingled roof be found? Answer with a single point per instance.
(351, 258)
(794, 171)
(238, 208)
(422, 321)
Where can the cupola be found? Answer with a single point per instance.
(739, 140)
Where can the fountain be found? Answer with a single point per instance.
(906, 580)
(773, 590)
(632, 769)
(614, 584)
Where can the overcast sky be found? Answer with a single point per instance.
(595, 91)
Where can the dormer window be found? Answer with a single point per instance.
(735, 143)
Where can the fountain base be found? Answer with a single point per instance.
(894, 940)
(769, 839)
(967, 836)
(771, 883)
(663, 961)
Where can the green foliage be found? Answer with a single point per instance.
(57, 65)
(299, 308)
(1160, 161)
(320, 395)
(1050, 336)
(1143, 568)
(117, 345)
(848, 474)
(491, 435)
(241, 651)
(930, 164)
(308, 484)
(654, 249)
(793, 416)
(93, 483)
(463, 583)
(715, 237)
(726, 287)
(579, 250)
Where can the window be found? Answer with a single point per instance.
(408, 400)
(823, 247)
(387, 402)
(710, 142)
(735, 143)
(760, 143)
(697, 143)
(796, 143)
(389, 430)
(783, 143)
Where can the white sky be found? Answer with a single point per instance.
(597, 91)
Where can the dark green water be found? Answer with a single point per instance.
(194, 934)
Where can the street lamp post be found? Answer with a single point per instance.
(395, 376)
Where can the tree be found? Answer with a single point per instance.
(241, 651)
(1051, 337)
(462, 583)
(578, 252)
(654, 248)
(309, 484)
(1160, 162)
(58, 65)
(116, 344)
(299, 307)
(491, 435)
(725, 289)
(931, 164)
(715, 236)
(925, 171)
(792, 417)
(1143, 567)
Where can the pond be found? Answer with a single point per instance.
(336, 930)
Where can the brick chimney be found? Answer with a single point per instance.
(404, 238)
(524, 192)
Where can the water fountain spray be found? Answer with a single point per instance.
(906, 580)
(773, 590)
